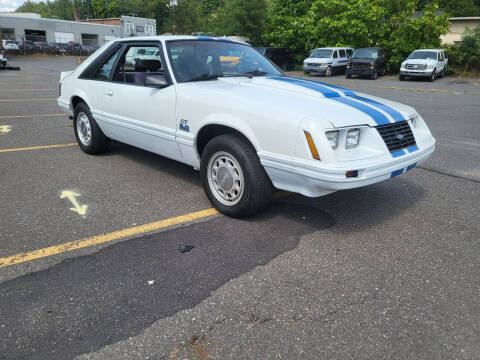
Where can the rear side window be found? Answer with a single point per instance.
(342, 53)
(103, 73)
(349, 52)
(137, 62)
(335, 55)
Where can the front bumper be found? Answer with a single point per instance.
(318, 181)
(417, 73)
(315, 69)
(360, 71)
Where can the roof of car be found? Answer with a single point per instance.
(428, 50)
(181, 37)
(331, 48)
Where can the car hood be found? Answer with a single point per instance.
(295, 98)
(318, 60)
(420, 61)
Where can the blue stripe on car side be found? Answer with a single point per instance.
(376, 115)
(412, 148)
(410, 167)
(205, 38)
(396, 173)
(398, 153)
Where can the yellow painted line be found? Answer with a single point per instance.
(101, 239)
(37, 147)
(10, 90)
(17, 100)
(29, 116)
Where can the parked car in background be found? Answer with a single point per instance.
(429, 63)
(90, 49)
(26, 47)
(10, 46)
(367, 62)
(41, 46)
(3, 57)
(327, 61)
(246, 126)
(282, 57)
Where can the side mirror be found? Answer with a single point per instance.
(156, 81)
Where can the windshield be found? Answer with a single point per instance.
(426, 55)
(321, 53)
(365, 54)
(207, 59)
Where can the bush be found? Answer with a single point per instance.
(450, 70)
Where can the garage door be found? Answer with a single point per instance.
(63, 37)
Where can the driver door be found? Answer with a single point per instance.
(140, 115)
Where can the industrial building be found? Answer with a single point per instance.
(32, 27)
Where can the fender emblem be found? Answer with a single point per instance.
(184, 125)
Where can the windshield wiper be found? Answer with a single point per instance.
(255, 73)
(205, 77)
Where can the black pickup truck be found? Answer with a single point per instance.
(367, 62)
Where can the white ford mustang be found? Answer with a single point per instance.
(220, 106)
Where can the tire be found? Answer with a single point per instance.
(401, 77)
(374, 76)
(432, 77)
(348, 75)
(328, 72)
(442, 74)
(234, 161)
(89, 136)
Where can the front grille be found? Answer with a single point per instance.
(416, 66)
(360, 65)
(313, 64)
(390, 134)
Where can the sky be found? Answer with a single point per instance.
(11, 5)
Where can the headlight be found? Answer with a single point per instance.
(353, 138)
(332, 137)
(372, 65)
(430, 67)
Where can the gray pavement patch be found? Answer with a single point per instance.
(87, 302)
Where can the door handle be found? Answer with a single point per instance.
(109, 92)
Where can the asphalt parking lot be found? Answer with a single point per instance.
(90, 267)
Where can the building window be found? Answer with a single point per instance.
(90, 39)
(8, 34)
(36, 35)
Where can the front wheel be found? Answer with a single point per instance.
(432, 77)
(401, 77)
(328, 72)
(234, 180)
(374, 76)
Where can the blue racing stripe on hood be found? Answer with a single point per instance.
(392, 112)
(396, 116)
(330, 93)
(312, 85)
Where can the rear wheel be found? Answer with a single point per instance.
(234, 180)
(89, 136)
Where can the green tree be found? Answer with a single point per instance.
(242, 17)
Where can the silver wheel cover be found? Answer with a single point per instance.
(84, 130)
(225, 178)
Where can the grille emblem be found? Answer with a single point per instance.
(400, 136)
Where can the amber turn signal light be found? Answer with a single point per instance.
(311, 145)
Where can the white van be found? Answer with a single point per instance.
(327, 61)
(430, 63)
